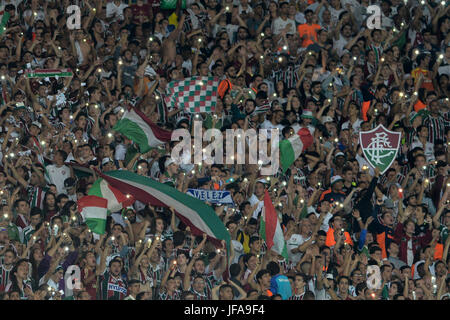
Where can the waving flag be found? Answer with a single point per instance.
(116, 199)
(292, 148)
(138, 128)
(93, 209)
(200, 217)
(270, 229)
(194, 94)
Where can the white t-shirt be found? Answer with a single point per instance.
(113, 10)
(356, 125)
(428, 149)
(294, 241)
(58, 175)
(279, 24)
(253, 200)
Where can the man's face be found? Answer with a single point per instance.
(135, 288)
(115, 268)
(387, 274)
(259, 189)
(199, 285)
(393, 249)
(23, 207)
(388, 219)
(343, 285)
(321, 241)
(9, 258)
(199, 266)
(226, 293)
(35, 220)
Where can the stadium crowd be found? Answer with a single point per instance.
(283, 64)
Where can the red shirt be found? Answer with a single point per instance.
(91, 287)
(138, 11)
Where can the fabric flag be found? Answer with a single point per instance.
(93, 209)
(172, 4)
(195, 94)
(80, 170)
(270, 228)
(292, 148)
(37, 198)
(44, 73)
(200, 217)
(116, 199)
(138, 128)
(4, 21)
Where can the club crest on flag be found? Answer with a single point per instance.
(380, 147)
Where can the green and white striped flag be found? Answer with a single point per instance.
(194, 94)
(93, 209)
(200, 217)
(44, 73)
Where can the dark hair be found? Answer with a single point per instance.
(273, 268)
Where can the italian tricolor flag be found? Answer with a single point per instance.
(292, 148)
(200, 217)
(116, 199)
(137, 127)
(270, 228)
(94, 209)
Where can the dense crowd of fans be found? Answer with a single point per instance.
(287, 65)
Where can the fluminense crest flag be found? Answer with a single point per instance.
(194, 94)
(380, 147)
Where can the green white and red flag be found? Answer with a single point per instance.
(94, 210)
(270, 228)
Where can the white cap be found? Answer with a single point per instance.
(169, 161)
(335, 179)
(37, 124)
(326, 119)
(106, 160)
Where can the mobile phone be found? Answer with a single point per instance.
(55, 230)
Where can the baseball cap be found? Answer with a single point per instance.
(106, 160)
(37, 124)
(388, 203)
(69, 183)
(335, 179)
(339, 154)
(168, 162)
(326, 119)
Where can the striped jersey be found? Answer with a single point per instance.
(297, 296)
(289, 76)
(436, 127)
(111, 288)
(4, 276)
(198, 295)
(174, 296)
(26, 283)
